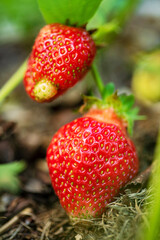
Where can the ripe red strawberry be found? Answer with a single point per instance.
(90, 159)
(60, 57)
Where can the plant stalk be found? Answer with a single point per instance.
(97, 79)
(13, 82)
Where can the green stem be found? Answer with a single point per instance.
(97, 79)
(13, 82)
(153, 231)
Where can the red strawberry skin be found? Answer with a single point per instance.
(89, 161)
(60, 57)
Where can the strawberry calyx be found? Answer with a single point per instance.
(112, 108)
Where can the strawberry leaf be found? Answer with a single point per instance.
(108, 90)
(104, 33)
(100, 17)
(127, 101)
(8, 176)
(127, 111)
(109, 19)
(73, 12)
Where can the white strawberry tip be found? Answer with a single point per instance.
(44, 90)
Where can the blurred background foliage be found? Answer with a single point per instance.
(8, 176)
(19, 19)
(146, 77)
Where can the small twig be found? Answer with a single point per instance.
(45, 229)
(60, 225)
(26, 226)
(16, 232)
(15, 219)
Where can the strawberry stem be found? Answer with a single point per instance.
(13, 82)
(97, 79)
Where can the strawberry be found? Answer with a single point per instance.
(92, 158)
(60, 57)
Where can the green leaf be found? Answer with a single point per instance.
(127, 101)
(100, 17)
(104, 32)
(108, 90)
(8, 176)
(109, 10)
(109, 19)
(122, 104)
(73, 12)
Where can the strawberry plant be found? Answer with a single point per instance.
(61, 56)
(93, 157)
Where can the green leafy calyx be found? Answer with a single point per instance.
(122, 105)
